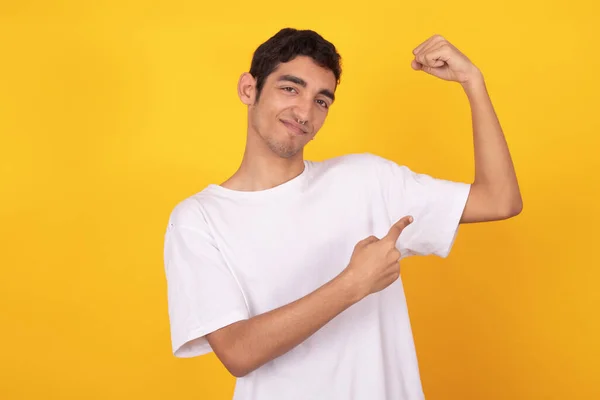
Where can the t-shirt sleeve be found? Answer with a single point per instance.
(203, 294)
(436, 205)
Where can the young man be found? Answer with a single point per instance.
(289, 270)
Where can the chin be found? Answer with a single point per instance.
(287, 152)
(283, 150)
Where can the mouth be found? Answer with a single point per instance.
(294, 127)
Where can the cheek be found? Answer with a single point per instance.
(263, 114)
(270, 110)
(319, 120)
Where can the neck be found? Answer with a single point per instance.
(262, 169)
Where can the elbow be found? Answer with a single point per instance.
(237, 365)
(238, 372)
(516, 205)
(511, 209)
(231, 350)
(507, 201)
(518, 208)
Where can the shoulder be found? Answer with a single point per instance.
(364, 164)
(190, 211)
(358, 161)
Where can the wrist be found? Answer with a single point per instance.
(349, 287)
(474, 86)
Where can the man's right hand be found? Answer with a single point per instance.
(374, 263)
(246, 345)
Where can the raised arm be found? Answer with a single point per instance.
(495, 191)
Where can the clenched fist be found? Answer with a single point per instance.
(374, 263)
(438, 57)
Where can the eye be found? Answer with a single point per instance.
(289, 89)
(323, 103)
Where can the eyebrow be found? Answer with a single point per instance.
(302, 82)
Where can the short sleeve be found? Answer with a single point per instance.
(436, 205)
(203, 294)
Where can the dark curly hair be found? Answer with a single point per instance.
(286, 45)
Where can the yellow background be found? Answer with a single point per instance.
(112, 113)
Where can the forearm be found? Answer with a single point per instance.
(494, 169)
(264, 337)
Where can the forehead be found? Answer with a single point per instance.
(305, 68)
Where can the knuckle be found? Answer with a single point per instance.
(394, 256)
(367, 241)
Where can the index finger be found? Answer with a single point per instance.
(397, 228)
(423, 44)
(428, 43)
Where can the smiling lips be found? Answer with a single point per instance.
(295, 127)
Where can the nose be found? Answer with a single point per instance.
(302, 109)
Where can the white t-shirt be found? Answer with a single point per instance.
(231, 255)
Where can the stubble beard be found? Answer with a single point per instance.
(283, 150)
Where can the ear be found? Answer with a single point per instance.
(247, 88)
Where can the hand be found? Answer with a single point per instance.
(374, 263)
(438, 57)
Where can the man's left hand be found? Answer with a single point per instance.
(438, 57)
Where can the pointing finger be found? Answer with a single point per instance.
(397, 228)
